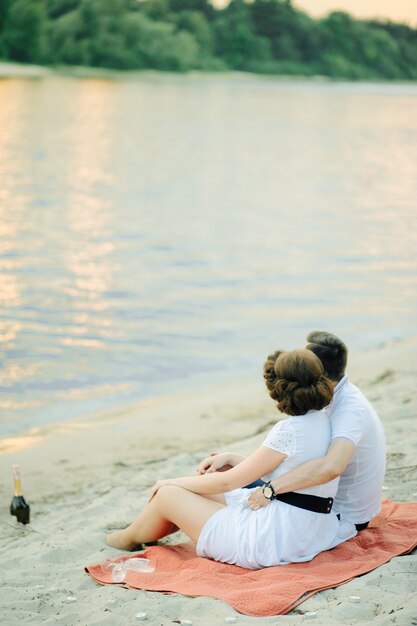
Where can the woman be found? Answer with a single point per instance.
(212, 508)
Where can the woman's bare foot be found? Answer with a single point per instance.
(119, 540)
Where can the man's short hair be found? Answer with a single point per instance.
(331, 351)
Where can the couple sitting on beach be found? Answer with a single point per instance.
(321, 471)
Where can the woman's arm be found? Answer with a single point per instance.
(215, 462)
(262, 461)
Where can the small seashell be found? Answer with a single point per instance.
(230, 620)
(310, 615)
(385, 488)
(354, 598)
(186, 622)
(71, 599)
(141, 616)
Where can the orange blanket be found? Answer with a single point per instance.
(275, 590)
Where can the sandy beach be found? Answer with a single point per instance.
(85, 477)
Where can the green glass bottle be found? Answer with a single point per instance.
(19, 507)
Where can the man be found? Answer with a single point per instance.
(357, 451)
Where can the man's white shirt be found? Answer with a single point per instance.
(352, 417)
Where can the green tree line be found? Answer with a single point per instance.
(264, 36)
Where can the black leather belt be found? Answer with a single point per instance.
(306, 501)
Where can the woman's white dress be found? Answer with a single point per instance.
(279, 533)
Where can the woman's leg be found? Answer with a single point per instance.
(171, 508)
(216, 497)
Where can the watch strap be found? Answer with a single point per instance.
(274, 495)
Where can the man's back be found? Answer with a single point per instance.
(352, 417)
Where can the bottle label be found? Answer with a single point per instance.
(16, 477)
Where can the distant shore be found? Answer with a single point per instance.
(23, 70)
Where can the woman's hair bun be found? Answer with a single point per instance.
(269, 370)
(296, 381)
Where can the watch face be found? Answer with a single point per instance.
(267, 491)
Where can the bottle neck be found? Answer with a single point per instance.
(17, 484)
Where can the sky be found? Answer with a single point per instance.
(395, 10)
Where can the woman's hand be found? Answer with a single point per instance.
(215, 463)
(257, 500)
(158, 485)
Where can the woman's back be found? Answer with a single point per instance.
(302, 437)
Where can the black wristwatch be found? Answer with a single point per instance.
(269, 491)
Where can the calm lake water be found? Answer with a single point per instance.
(163, 232)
